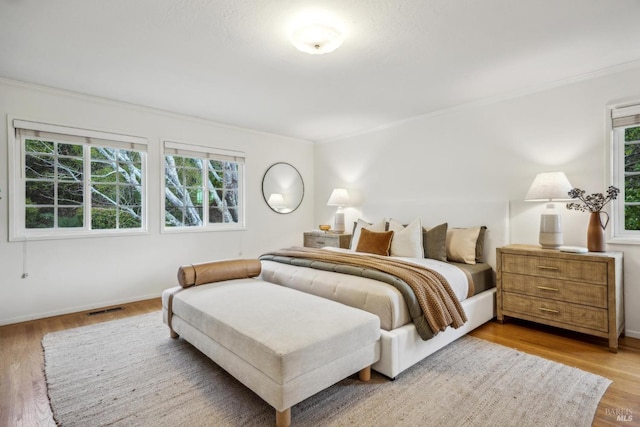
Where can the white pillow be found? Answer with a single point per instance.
(407, 241)
(376, 226)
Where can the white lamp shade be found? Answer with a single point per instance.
(548, 186)
(339, 197)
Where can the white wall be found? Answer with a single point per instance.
(489, 151)
(75, 274)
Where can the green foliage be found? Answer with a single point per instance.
(37, 146)
(130, 219)
(70, 150)
(632, 177)
(70, 217)
(632, 134)
(632, 217)
(39, 217)
(104, 218)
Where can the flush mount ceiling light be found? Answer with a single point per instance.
(316, 33)
(317, 39)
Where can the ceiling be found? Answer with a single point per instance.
(231, 61)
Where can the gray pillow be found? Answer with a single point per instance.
(480, 245)
(434, 240)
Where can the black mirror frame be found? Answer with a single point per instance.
(301, 181)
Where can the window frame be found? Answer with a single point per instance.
(619, 235)
(185, 149)
(71, 135)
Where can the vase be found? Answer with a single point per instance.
(595, 232)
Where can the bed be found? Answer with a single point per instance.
(472, 281)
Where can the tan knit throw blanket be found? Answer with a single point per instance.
(439, 303)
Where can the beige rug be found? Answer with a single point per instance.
(129, 372)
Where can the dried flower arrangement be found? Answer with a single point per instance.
(593, 202)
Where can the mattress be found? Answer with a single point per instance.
(481, 275)
(370, 295)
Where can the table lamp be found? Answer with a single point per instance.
(340, 198)
(549, 187)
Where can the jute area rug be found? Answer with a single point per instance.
(129, 372)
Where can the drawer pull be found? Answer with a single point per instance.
(544, 267)
(545, 288)
(548, 310)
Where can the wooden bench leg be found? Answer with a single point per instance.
(173, 334)
(365, 374)
(283, 419)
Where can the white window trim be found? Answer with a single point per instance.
(618, 235)
(17, 230)
(188, 149)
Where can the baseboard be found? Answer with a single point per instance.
(75, 309)
(632, 334)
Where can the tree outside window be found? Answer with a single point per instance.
(74, 182)
(55, 182)
(626, 170)
(200, 191)
(632, 178)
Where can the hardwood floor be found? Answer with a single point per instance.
(24, 402)
(23, 391)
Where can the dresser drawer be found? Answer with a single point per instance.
(556, 311)
(311, 241)
(581, 271)
(335, 240)
(556, 289)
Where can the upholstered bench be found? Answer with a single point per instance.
(283, 344)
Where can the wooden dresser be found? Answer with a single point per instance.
(336, 240)
(579, 292)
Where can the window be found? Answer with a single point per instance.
(74, 182)
(626, 170)
(203, 188)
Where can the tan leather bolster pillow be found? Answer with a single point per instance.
(217, 271)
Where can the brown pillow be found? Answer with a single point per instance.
(373, 242)
(434, 241)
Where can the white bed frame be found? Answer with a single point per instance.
(402, 347)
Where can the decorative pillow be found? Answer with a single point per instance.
(434, 240)
(359, 225)
(407, 241)
(374, 242)
(480, 245)
(461, 244)
(218, 271)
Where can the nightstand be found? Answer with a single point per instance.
(336, 240)
(578, 292)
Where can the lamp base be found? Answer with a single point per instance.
(338, 225)
(550, 240)
(550, 228)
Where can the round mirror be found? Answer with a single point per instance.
(282, 188)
